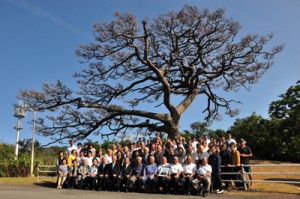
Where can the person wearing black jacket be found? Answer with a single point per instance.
(113, 170)
(124, 175)
(225, 157)
(102, 171)
(214, 160)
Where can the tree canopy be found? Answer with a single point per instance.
(278, 137)
(177, 54)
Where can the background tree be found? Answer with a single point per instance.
(276, 138)
(176, 56)
(25, 145)
(286, 112)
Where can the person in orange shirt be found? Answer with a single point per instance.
(235, 155)
(235, 160)
(72, 157)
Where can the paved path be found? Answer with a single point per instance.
(40, 191)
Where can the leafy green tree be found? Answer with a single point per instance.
(199, 128)
(178, 55)
(25, 145)
(287, 111)
(276, 138)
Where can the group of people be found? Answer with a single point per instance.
(176, 166)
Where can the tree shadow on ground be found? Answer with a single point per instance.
(46, 184)
(255, 189)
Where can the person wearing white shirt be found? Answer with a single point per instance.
(192, 153)
(203, 177)
(174, 176)
(188, 173)
(229, 139)
(206, 139)
(201, 153)
(93, 175)
(194, 143)
(89, 159)
(70, 149)
(160, 180)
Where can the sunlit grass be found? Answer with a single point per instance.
(25, 180)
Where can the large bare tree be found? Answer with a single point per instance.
(178, 55)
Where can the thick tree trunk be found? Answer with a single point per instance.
(173, 132)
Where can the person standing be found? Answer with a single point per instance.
(214, 160)
(70, 149)
(230, 139)
(225, 157)
(235, 160)
(245, 155)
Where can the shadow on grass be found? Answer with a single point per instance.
(272, 192)
(294, 191)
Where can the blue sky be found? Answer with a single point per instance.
(38, 40)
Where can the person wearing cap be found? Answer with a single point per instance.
(245, 155)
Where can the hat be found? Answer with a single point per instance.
(242, 140)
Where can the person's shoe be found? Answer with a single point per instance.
(187, 193)
(204, 193)
(220, 191)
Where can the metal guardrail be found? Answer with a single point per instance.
(245, 181)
